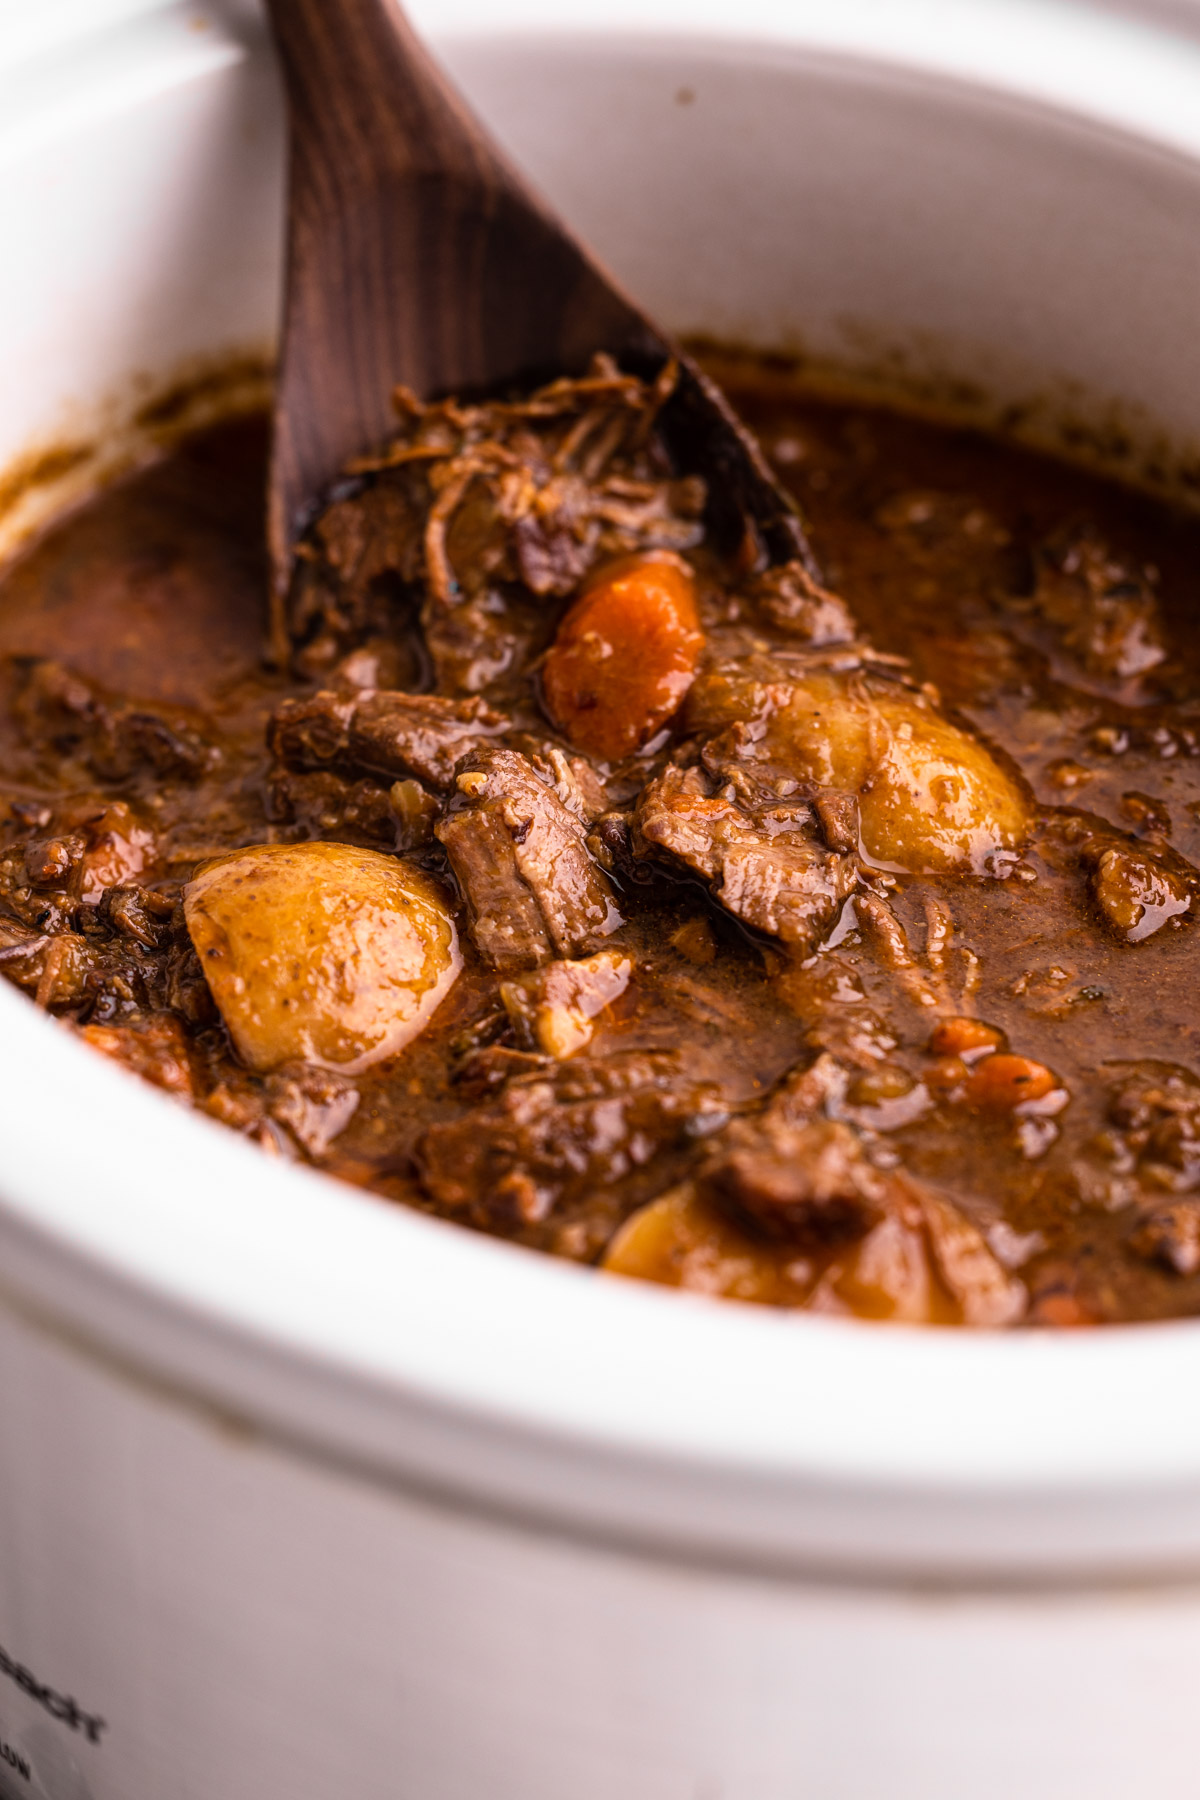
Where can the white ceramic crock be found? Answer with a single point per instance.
(304, 1497)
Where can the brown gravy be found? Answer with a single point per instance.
(1054, 613)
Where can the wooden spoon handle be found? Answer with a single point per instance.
(415, 255)
(365, 96)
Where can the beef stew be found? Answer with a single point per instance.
(590, 882)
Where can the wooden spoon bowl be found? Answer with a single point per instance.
(418, 256)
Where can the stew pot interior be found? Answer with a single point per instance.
(995, 206)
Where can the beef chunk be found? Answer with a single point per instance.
(1170, 1235)
(315, 1105)
(120, 847)
(1105, 612)
(804, 1177)
(798, 1205)
(297, 1106)
(388, 733)
(932, 797)
(1154, 1142)
(323, 805)
(809, 1184)
(184, 986)
(298, 1109)
(520, 856)
(551, 1139)
(982, 1291)
(50, 862)
(789, 598)
(24, 952)
(53, 883)
(765, 861)
(474, 643)
(838, 818)
(1156, 1111)
(790, 1168)
(573, 778)
(40, 881)
(114, 739)
(506, 921)
(1137, 891)
(153, 1047)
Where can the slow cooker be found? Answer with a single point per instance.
(304, 1495)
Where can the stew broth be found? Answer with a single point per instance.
(962, 1092)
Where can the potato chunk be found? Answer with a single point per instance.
(682, 1240)
(320, 953)
(932, 797)
(625, 655)
(937, 799)
(923, 1263)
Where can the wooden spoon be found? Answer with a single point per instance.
(417, 255)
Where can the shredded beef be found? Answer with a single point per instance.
(138, 914)
(68, 972)
(472, 507)
(54, 883)
(77, 929)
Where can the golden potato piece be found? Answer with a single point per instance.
(932, 797)
(680, 1240)
(937, 799)
(924, 1263)
(320, 953)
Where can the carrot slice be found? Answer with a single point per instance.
(1002, 1082)
(965, 1037)
(625, 655)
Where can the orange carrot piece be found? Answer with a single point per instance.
(625, 655)
(965, 1037)
(1002, 1082)
(1061, 1310)
(946, 1077)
